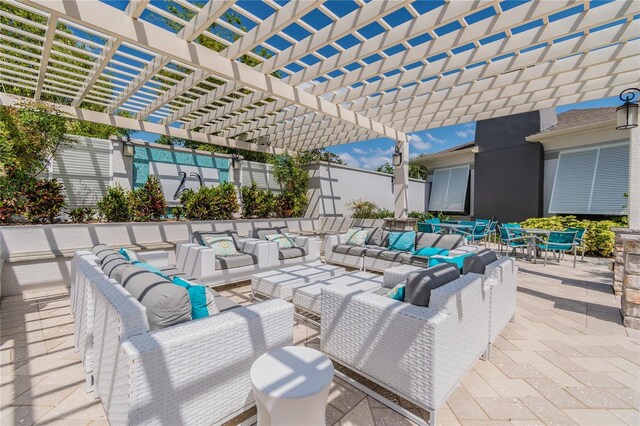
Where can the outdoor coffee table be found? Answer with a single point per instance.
(398, 274)
(308, 297)
(291, 386)
(280, 283)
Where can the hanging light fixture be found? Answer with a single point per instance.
(236, 161)
(397, 157)
(128, 149)
(627, 113)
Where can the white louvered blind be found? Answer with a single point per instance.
(449, 189)
(591, 181)
(261, 174)
(84, 168)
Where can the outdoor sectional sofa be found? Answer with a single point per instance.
(420, 353)
(192, 372)
(375, 255)
(254, 255)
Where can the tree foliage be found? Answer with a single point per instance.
(293, 178)
(416, 171)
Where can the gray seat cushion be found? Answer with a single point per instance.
(349, 249)
(291, 253)
(477, 263)
(417, 291)
(389, 255)
(237, 260)
(166, 303)
(448, 242)
(196, 237)
(224, 303)
(421, 261)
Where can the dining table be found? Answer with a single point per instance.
(533, 235)
(451, 228)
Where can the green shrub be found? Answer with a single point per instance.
(210, 202)
(257, 202)
(599, 239)
(114, 206)
(81, 214)
(43, 200)
(177, 212)
(293, 178)
(147, 202)
(361, 209)
(384, 213)
(10, 202)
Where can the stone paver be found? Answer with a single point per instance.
(565, 360)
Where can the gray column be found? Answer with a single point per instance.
(401, 183)
(634, 178)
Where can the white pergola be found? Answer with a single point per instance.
(347, 71)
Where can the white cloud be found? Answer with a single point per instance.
(367, 158)
(463, 133)
(423, 142)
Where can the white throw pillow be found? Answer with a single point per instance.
(223, 246)
(283, 240)
(356, 237)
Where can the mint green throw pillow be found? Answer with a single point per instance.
(402, 241)
(455, 260)
(431, 251)
(129, 255)
(396, 293)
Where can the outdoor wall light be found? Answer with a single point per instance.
(627, 113)
(127, 148)
(397, 157)
(236, 161)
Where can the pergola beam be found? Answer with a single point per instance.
(52, 24)
(356, 19)
(97, 16)
(110, 49)
(142, 126)
(136, 7)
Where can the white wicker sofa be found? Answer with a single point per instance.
(375, 255)
(306, 248)
(254, 256)
(420, 353)
(195, 372)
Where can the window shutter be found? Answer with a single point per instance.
(591, 181)
(449, 189)
(457, 193)
(439, 187)
(611, 181)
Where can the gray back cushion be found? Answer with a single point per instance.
(114, 268)
(261, 233)
(417, 291)
(166, 303)
(448, 242)
(477, 263)
(101, 251)
(196, 236)
(374, 236)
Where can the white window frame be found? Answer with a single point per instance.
(593, 179)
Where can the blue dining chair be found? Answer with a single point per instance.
(559, 242)
(580, 241)
(511, 239)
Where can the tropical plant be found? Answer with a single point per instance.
(43, 200)
(210, 202)
(257, 202)
(421, 216)
(361, 209)
(293, 178)
(114, 206)
(147, 202)
(81, 214)
(177, 212)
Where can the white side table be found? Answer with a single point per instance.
(291, 386)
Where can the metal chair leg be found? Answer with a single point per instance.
(575, 255)
(545, 257)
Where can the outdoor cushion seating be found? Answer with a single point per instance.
(305, 248)
(194, 372)
(419, 285)
(478, 262)
(390, 341)
(378, 257)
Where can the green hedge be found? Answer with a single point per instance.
(599, 239)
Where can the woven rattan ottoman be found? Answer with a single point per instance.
(307, 297)
(280, 283)
(398, 274)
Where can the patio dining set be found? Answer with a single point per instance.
(160, 345)
(531, 241)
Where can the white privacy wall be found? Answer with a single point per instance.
(332, 187)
